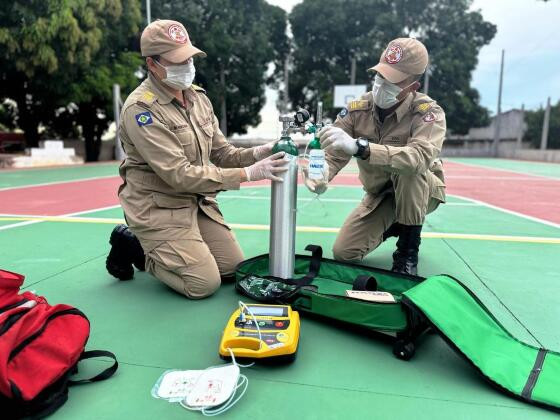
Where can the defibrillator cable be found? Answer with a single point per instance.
(243, 381)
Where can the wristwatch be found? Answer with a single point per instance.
(363, 148)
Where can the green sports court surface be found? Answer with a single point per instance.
(499, 233)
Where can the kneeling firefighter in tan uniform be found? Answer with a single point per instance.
(177, 160)
(396, 134)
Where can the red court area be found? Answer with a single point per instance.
(527, 194)
(530, 195)
(59, 199)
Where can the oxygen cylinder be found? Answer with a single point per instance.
(283, 214)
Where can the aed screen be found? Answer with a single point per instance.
(268, 311)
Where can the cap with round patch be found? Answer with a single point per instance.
(403, 57)
(168, 39)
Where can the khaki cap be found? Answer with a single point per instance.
(168, 39)
(402, 58)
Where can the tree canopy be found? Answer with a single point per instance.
(59, 59)
(241, 39)
(535, 120)
(329, 33)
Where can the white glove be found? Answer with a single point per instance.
(263, 151)
(268, 168)
(338, 139)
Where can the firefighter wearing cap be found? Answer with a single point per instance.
(396, 134)
(177, 160)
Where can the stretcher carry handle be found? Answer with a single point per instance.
(314, 266)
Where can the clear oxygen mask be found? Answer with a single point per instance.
(314, 168)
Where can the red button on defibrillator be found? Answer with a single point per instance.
(278, 324)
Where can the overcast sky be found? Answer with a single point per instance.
(527, 30)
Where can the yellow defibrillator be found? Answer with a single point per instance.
(256, 331)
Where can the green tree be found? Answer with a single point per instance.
(329, 33)
(535, 120)
(241, 39)
(8, 114)
(59, 59)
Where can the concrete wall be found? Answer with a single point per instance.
(511, 125)
(451, 148)
(474, 148)
(107, 149)
(458, 148)
(552, 156)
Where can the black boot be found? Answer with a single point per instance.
(405, 258)
(393, 230)
(125, 251)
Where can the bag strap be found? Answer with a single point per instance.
(107, 373)
(314, 266)
(364, 282)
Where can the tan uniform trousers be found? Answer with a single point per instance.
(408, 202)
(193, 267)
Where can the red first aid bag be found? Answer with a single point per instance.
(40, 347)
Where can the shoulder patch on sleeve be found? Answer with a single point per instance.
(144, 118)
(343, 113)
(359, 105)
(424, 107)
(147, 98)
(429, 117)
(198, 88)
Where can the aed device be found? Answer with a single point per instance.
(264, 332)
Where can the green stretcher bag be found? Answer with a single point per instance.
(440, 302)
(320, 286)
(467, 325)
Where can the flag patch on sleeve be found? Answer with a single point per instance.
(144, 118)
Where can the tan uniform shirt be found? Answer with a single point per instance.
(177, 160)
(408, 141)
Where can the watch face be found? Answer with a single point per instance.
(363, 142)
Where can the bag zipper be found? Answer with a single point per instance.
(37, 333)
(11, 320)
(13, 305)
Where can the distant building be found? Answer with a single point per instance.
(511, 125)
(478, 141)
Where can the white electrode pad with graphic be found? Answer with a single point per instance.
(175, 385)
(213, 387)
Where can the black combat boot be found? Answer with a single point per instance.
(393, 230)
(405, 258)
(125, 251)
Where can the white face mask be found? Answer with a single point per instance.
(179, 77)
(385, 93)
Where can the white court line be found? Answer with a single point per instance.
(321, 229)
(482, 203)
(57, 182)
(472, 200)
(503, 178)
(476, 165)
(514, 213)
(30, 222)
(324, 200)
